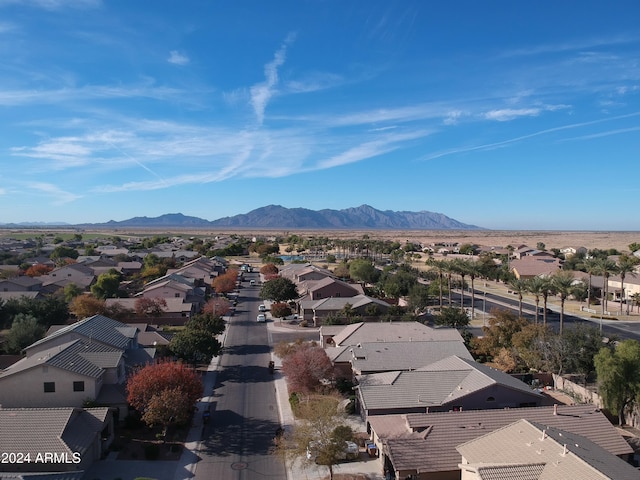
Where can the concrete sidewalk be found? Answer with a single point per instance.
(303, 470)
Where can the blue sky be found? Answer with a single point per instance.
(502, 114)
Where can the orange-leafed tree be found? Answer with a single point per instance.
(164, 393)
(306, 369)
(150, 307)
(217, 306)
(280, 310)
(269, 269)
(37, 270)
(84, 306)
(225, 283)
(271, 276)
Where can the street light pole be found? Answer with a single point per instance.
(484, 308)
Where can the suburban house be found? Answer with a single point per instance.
(350, 335)
(377, 357)
(75, 273)
(87, 360)
(55, 439)
(22, 283)
(328, 287)
(631, 286)
(203, 270)
(176, 286)
(177, 310)
(451, 384)
(527, 449)
(570, 251)
(317, 310)
(424, 445)
(298, 272)
(530, 267)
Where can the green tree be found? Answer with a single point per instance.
(536, 286)
(606, 268)
(562, 283)
(439, 267)
(364, 271)
(61, 253)
(24, 330)
(634, 247)
(519, 287)
(194, 346)
(419, 298)
(618, 374)
(626, 266)
(279, 289)
(71, 291)
(452, 317)
(591, 267)
(107, 285)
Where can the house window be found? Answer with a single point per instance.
(78, 386)
(177, 295)
(49, 387)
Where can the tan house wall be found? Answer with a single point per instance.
(164, 292)
(333, 290)
(26, 388)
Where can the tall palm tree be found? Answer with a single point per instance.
(636, 299)
(590, 266)
(547, 289)
(460, 267)
(449, 270)
(536, 286)
(519, 286)
(562, 283)
(626, 265)
(439, 267)
(606, 267)
(474, 269)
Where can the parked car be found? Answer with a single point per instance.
(261, 318)
(262, 308)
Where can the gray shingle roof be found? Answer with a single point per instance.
(566, 455)
(428, 441)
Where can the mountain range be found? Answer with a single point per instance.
(277, 217)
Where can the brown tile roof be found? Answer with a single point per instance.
(565, 455)
(443, 432)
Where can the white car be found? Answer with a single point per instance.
(350, 452)
(262, 308)
(261, 318)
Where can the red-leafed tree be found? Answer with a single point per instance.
(37, 270)
(164, 393)
(306, 369)
(280, 310)
(269, 269)
(150, 307)
(217, 306)
(271, 276)
(84, 306)
(226, 282)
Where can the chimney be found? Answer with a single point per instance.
(555, 409)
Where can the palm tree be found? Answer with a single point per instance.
(562, 282)
(636, 299)
(605, 268)
(590, 266)
(536, 286)
(519, 286)
(474, 269)
(626, 265)
(460, 267)
(449, 270)
(439, 266)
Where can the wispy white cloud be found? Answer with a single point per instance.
(503, 143)
(608, 133)
(177, 58)
(505, 114)
(314, 83)
(262, 92)
(587, 44)
(60, 197)
(370, 149)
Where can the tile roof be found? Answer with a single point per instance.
(511, 472)
(98, 327)
(428, 441)
(58, 429)
(88, 359)
(388, 356)
(565, 455)
(392, 332)
(480, 375)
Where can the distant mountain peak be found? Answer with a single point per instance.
(277, 217)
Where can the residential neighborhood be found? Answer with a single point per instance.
(434, 383)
